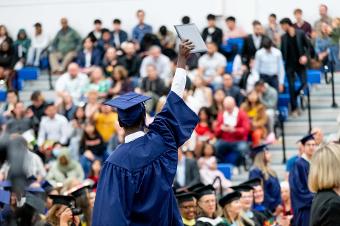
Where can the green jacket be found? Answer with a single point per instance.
(66, 41)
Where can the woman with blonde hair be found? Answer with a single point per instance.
(324, 180)
(262, 170)
(232, 208)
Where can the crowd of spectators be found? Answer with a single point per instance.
(69, 138)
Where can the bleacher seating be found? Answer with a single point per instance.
(226, 169)
(28, 73)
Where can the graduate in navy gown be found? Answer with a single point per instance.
(298, 181)
(271, 183)
(135, 185)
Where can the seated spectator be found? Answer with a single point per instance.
(287, 209)
(160, 61)
(4, 36)
(106, 122)
(268, 97)
(187, 173)
(95, 171)
(22, 45)
(19, 122)
(233, 30)
(201, 93)
(37, 109)
(147, 42)
(211, 66)
(92, 147)
(231, 130)
(39, 43)
(256, 112)
(8, 59)
(217, 106)
(96, 34)
(324, 18)
(239, 71)
(110, 60)
(77, 124)
(121, 83)
(72, 82)
(207, 164)
(141, 28)
(301, 23)
(273, 30)
(88, 56)
(203, 130)
(152, 86)
(98, 82)
(67, 107)
(231, 208)
(269, 65)
(212, 33)
(64, 47)
(130, 60)
(253, 42)
(187, 207)
(11, 100)
(53, 126)
(323, 44)
(119, 36)
(253, 77)
(105, 42)
(92, 106)
(64, 169)
(230, 89)
(166, 38)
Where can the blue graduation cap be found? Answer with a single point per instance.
(5, 197)
(34, 189)
(307, 138)
(129, 107)
(258, 149)
(6, 185)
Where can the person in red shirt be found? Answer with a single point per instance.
(232, 129)
(203, 130)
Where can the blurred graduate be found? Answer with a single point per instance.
(301, 196)
(135, 185)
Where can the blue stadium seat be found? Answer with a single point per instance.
(231, 43)
(3, 95)
(314, 76)
(226, 169)
(28, 73)
(283, 113)
(283, 100)
(229, 68)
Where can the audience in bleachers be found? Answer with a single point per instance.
(234, 88)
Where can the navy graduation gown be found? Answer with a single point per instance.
(300, 195)
(271, 189)
(135, 185)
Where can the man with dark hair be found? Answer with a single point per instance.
(212, 33)
(324, 18)
(294, 48)
(273, 30)
(135, 185)
(118, 35)
(233, 30)
(301, 24)
(141, 28)
(96, 34)
(253, 42)
(39, 44)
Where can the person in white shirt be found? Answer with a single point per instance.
(40, 42)
(269, 65)
(161, 62)
(72, 82)
(211, 66)
(53, 126)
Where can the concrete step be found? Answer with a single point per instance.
(302, 127)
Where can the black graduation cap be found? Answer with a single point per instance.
(258, 149)
(307, 138)
(5, 197)
(81, 189)
(195, 186)
(184, 197)
(37, 203)
(66, 200)
(241, 188)
(129, 107)
(206, 190)
(228, 198)
(6, 185)
(253, 182)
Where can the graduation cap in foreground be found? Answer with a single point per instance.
(37, 203)
(206, 190)
(253, 182)
(34, 190)
(241, 188)
(5, 197)
(81, 189)
(258, 149)
(65, 200)
(129, 107)
(307, 138)
(228, 198)
(185, 197)
(195, 187)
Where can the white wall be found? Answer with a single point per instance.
(16, 14)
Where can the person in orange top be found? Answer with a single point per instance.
(256, 112)
(106, 122)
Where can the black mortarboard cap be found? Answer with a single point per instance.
(63, 200)
(253, 182)
(37, 203)
(129, 107)
(81, 189)
(258, 149)
(206, 190)
(228, 198)
(195, 186)
(241, 188)
(307, 138)
(184, 197)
